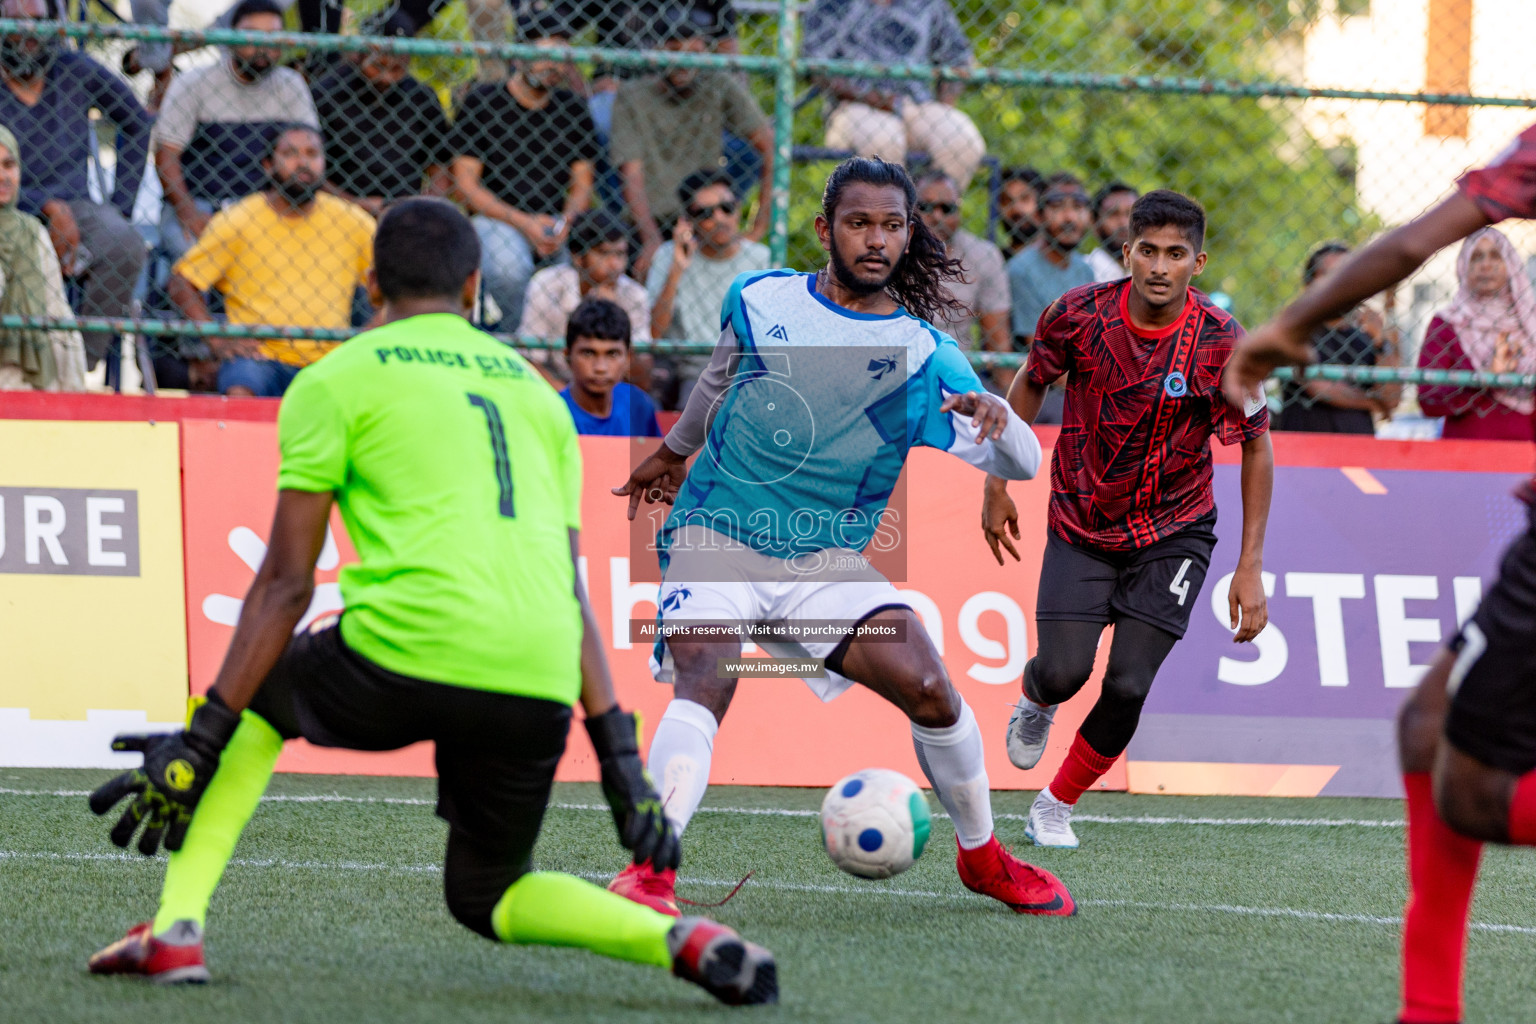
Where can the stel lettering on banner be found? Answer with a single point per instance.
(1363, 589)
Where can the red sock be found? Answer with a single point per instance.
(1522, 812)
(1082, 768)
(1442, 870)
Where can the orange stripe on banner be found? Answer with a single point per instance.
(1210, 778)
(1362, 478)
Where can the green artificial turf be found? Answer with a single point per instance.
(333, 912)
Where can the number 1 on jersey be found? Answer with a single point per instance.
(499, 451)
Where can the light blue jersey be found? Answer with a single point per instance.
(807, 412)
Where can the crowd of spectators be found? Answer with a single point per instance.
(610, 210)
(49, 93)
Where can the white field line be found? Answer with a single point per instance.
(240, 862)
(827, 889)
(783, 812)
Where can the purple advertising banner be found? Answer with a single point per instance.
(1368, 573)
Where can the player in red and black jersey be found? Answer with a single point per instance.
(1132, 513)
(1467, 736)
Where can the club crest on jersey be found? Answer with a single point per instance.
(673, 601)
(1175, 386)
(778, 331)
(880, 367)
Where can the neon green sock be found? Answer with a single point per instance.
(227, 804)
(546, 908)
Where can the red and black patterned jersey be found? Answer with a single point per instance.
(1133, 463)
(1507, 188)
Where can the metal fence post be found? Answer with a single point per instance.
(783, 131)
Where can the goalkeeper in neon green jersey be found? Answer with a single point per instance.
(458, 476)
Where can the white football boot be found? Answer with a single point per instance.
(1050, 822)
(1028, 728)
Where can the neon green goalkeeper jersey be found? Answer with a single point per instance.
(458, 474)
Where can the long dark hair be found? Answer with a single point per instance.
(917, 280)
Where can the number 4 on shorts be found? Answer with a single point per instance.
(1180, 585)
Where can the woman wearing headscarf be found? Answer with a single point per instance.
(31, 285)
(1489, 327)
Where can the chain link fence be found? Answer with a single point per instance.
(201, 184)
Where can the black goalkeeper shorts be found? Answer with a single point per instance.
(496, 752)
(1493, 684)
(1158, 584)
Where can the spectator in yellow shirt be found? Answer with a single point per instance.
(288, 256)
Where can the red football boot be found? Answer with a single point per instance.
(722, 963)
(992, 871)
(648, 887)
(173, 959)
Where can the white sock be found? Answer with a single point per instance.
(679, 759)
(956, 765)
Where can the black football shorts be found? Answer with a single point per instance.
(496, 752)
(1493, 683)
(1157, 584)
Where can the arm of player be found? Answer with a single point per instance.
(659, 477)
(971, 423)
(615, 734)
(178, 766)
(1246, 599)
(999, 515)
(1286, 340)
(278, 598)
(991, 437)
(1026, 395)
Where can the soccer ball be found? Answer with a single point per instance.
(874, 823)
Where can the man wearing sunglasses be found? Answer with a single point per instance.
(666, 125)
(984, 290)
(691, 274)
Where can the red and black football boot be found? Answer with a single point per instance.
(648, 887)
(992, 871)
(175, 958)
(722, 963)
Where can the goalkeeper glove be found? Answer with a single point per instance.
(643, 828)
(165, 790)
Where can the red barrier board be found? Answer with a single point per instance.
(980, 614)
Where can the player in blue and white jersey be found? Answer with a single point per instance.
(819, 386)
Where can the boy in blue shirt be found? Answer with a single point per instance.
(597, 349)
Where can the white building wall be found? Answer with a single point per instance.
(1402, 171)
